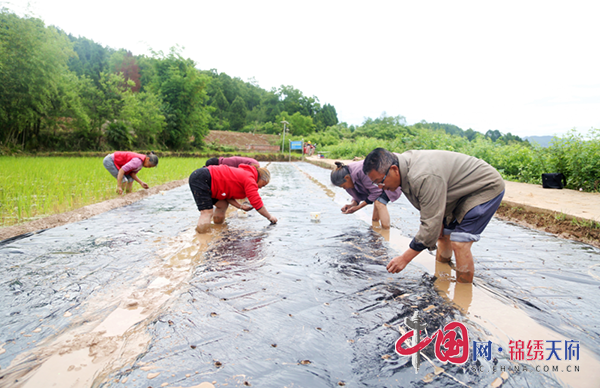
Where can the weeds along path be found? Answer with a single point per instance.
(133, 297)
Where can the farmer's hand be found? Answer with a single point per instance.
(144, 185)
(119, 191)
(398, 263)
(246, 207)
(345, 208)
(352, 209)
(273, 220)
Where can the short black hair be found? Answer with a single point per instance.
(379, 160)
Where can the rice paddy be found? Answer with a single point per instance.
(34, 187)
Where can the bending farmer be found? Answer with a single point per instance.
(456, 194)
(363, 191)
(233, 161)
(221, 186)
(125, 165)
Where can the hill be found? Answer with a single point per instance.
(244, 141)
(544, 141)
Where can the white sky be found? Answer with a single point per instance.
(525, 67)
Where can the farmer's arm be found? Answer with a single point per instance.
(263, 212)
(251, 189)
(236, 204)
(348, 206)
(356, 208)
(135, 178)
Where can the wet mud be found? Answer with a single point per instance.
(134, 297)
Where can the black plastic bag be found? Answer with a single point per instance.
(555, 180)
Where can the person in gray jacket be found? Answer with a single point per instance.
(456, 194)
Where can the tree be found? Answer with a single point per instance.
(384, 127)
(294, 101)
(510, 138)
(299, 125)
(471, 134)
(237, 114)
(91, 59)
(220, 107)
(326, 117)
(33, 64)
(493, 135)
(124, 62)
(103, 103)
(141, 113)
(182, 89)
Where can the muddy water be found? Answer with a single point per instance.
(134, 297)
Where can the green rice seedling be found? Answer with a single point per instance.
(33, 187)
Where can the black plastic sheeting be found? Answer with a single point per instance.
(52, 273)
(299, 303)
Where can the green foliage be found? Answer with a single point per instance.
(295, 102)
(299, 125)
(332, 135)
(181, 88)
(384, 127)
(118, 136)
(63, 92)
(261, 107)
(91, 59)
(33, 60)
(575, 155)
(237, 114)
(326, 117)
(142, 113)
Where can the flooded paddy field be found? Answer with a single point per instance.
(135, 298)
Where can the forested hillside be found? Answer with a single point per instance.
(60, 92)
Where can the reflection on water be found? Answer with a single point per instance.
(299, 303)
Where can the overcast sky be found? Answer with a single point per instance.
(525, 67)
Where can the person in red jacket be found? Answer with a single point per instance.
(221, 186)
(125, 165)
